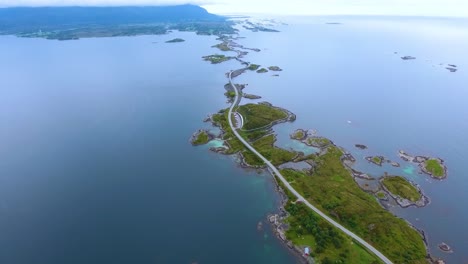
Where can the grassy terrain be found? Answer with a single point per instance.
(276, 156)
(253, 67)
(230, 94)
(318, 142)
(434, 167)
(327, 243)
(262, 70)
(377, 159)
(176, 40)
(235, 146)
(216, 58)
(401, 187)
(259, 115)
(331, 188)
(298, 135)
(222, 46)
(202, 138)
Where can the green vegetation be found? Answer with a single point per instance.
(299, 134)
(435, 168)
(260, 115)
(377, 160)
(230, 94)
(222, 46)
(327, 243)
(276, 156)
(253, 67)
(262, 142)
(318, 142)
(234, 144)
(262, 70)
(331, 188)
(176, 40)
(401, 187)
(274, 68)
(380, 195)
(216, 58)
(201, 138)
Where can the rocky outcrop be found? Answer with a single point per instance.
(360, 146)
(422, 162)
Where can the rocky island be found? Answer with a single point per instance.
(274, 68)
(201, 137)
(253, 67)
(408, 58)
(377, 160)
(328, 183)
(404, 192)
(433, 167)
(216, 58)
(262, 70)
(360, 146)
(176, 40)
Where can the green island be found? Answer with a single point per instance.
(222, 46)
(434, 167)
(262, 70)
(299, 134)
(330, 187)
(274, 68)
(260, 115)
(176, 40)
(377, 160)
(401, 187)
(200, 138)
(216, 58)
(253, 67)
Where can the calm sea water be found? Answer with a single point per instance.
(350, 72)
(95, 163)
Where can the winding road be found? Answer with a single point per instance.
(290, 188)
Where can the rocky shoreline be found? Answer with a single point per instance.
(402, 202)
(422, 162)
(279, 226)
(196, 135)
(308, 137)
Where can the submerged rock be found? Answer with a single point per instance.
(444, 247)
(360, 146)
(408, 58)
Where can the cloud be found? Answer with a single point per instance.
(285, 7)
(10, 3)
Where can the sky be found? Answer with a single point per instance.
(287, 7)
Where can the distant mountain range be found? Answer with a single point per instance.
(75, 22)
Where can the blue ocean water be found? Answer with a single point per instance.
(96, 164)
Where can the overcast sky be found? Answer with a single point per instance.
(288, 7)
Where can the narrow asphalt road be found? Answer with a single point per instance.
(291, 189)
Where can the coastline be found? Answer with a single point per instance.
(347, 160)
